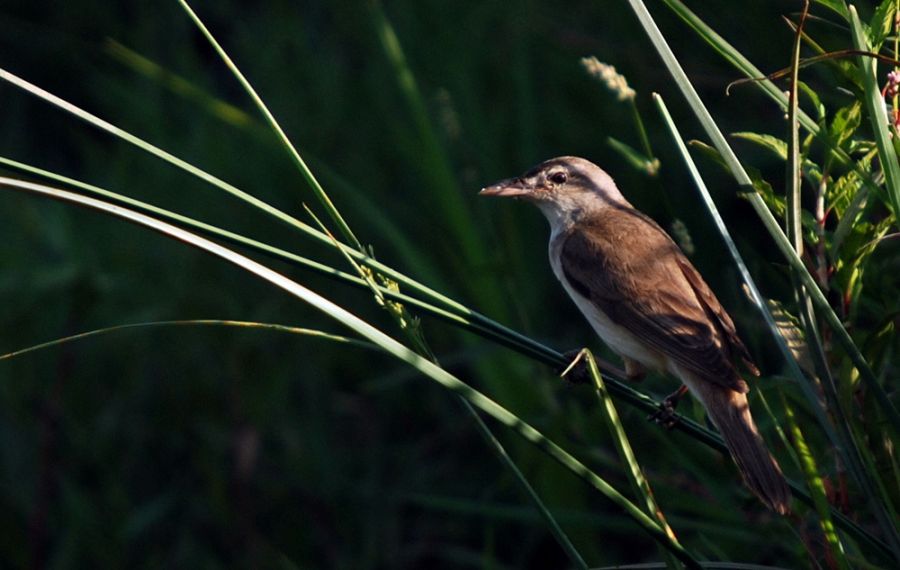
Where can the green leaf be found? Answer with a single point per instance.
(636, 159)
(881, 23)
(838, 6)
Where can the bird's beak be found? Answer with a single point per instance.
(514, 187)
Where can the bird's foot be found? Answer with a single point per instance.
(666, 415)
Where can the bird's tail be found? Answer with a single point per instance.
(730, 412)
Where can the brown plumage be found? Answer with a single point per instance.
(648, 302)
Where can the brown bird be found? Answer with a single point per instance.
(648, 303)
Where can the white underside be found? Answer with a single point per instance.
(619, 339)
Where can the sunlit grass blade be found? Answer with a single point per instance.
(769, 222)
(875, 106)
(155, 151)
(816, 489)
(386, 343)
(773, 327)
(636, 475)
(192, 323)
(282, 136)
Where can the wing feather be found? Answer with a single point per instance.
(654, 292)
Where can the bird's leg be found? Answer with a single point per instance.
(576, 372)
(665, 416)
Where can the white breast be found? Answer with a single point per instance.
(619, 339)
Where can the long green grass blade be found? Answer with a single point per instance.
(816, 487)
(769, 222)
(273, 123)
(887, 154)
(639, 482)
(387, 344)
(191, 323)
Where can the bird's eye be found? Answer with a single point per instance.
(558, 177)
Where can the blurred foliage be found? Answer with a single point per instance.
(229, 448)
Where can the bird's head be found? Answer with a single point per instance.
(561, 187)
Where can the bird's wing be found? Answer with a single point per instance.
(718, 314)
(644, 288)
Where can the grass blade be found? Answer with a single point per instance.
(192, 322)
(387, 344)
(639, 482)
(816, 489)
(273, 123)
(875, 106)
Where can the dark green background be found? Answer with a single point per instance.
(205, 448)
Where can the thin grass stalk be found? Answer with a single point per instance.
(874, 102)
(273, 123)
(639, 483)
(816, 487)
(192, 322)
(758, 300)
(561, 537)
(781, 341)
(388, 344)
(768, 220)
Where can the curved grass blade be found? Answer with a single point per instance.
(282, 136)
(193, 322)
(386, 343)
(462, 317)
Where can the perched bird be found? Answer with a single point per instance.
(648, 303)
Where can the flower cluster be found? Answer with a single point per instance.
(606, 73)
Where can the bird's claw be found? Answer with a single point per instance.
(665, 415)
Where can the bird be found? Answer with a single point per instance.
(648, 303)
